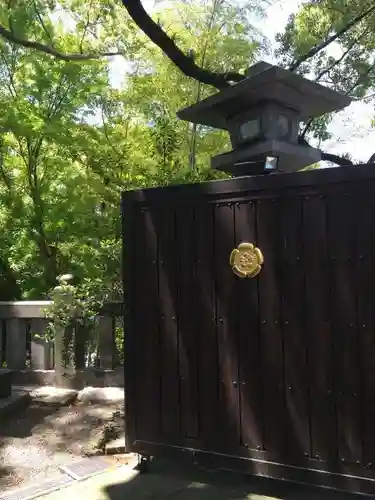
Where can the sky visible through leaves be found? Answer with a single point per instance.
(351, 129)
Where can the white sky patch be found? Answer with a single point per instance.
(353, 133)
(119, 68)
(59, 15)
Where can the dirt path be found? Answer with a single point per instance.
(35, 442)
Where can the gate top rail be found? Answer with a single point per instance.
(35, 309)
(224, 187)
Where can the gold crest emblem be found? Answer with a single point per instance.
(246, 260)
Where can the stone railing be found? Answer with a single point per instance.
(24, 349)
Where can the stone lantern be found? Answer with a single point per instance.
(262, 114)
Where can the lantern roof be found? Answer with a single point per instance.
(265, 83)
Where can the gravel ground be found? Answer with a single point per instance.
(35, 442)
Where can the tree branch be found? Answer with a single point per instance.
(11, 37)
(317, 48)
(306, 128)
(105, 128)
(366, 98)
(185, 63)
(339, 160)
(343, 56)
(85, 28)
(42, 22)
(4, 176)
(360, 79)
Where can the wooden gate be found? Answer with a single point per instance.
(274, 375)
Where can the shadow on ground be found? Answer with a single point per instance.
(21, 424)
(66, 428)
(4, 471)
(171, 481)
(35, 441)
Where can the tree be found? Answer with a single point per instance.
(218, 35)
(39, 101)
(49, 200)
(317, 28)
(345, 21)
(341, 24)
(69, 31)
(69, 143)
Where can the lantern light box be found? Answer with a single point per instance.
(262, 114)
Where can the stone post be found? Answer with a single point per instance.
(63, 296)
(41, 349)
(107, 349)
(16, 343)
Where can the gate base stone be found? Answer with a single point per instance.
(17, 401)
(5, 383)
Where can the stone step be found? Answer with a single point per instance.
(5, 383)
(117, 446)
(14, 403)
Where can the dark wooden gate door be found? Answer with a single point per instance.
(272, 374)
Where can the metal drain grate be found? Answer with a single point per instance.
(42, 488)
(86, 468)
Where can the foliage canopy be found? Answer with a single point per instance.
(71, 141)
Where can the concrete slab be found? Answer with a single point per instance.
(93, 488)
(95, 395)
(5, 383)
(87, 467)
(116, 446)
(34, 490)
(170, 483)
(17, 401)
(53, 396)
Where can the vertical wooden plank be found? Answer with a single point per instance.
(16, 330)
(129, 220)
(206, 325)
(294, 339)
(147, 377)
(249, 340)
(2, 342)
(228, 417)
(365, 270)
(168, 323)
(341, 230)
(106, 340)
(41, 349)
(187, 325)
(318, 330)
(271, 333)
